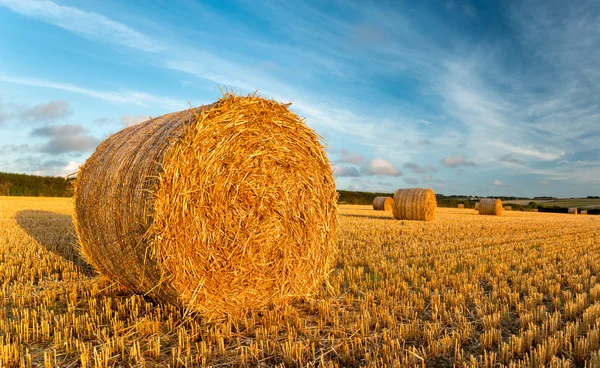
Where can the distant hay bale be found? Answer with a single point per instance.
(583, 212)
(573, 210)
(414, 204)
(535, 210)
(460, 205)
(477, 206)
(222, 209)
(383, 203)
(490, 207)
(508, 208)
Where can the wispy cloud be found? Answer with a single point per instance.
(90, 25)
(130, 97)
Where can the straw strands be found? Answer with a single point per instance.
(383, 203)
(222, 209)
(573, 210)
(490, 207)
(414, 204)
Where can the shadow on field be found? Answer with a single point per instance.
(368, 216)
(56, 233)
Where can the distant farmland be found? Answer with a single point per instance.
(565, 203)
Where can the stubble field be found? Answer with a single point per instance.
(466, 290)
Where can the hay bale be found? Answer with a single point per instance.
(573, 210)
(477, 206)
(414, 204)
(535, 210)
(490, 207)
(383, 203)
(583, 212)
(508, 208)
(460, 205)
(222, 209)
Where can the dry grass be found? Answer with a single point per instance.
(490, 207)
(414, 204)
(383, 203)
(222, 210)
(520, 290)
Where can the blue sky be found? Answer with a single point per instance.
(497, 98)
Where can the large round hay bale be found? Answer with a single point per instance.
(460, 205)
(583, 212)
(414, 204)
(508, 208)
(490, 207)
(477, 206)
(222, 209)
(383, 203)
(573, 210)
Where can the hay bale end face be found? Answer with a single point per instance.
(491, 207)
(460, 205)
(383, 203)
(414, 204)
(583, 212)
(573, 210)
(222, 209)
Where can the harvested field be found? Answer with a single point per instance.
(464, 289)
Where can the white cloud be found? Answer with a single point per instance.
(498, 183)
(379, 166)
(70, 168)
(130, 120)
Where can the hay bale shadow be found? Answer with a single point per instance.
(56, 233)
